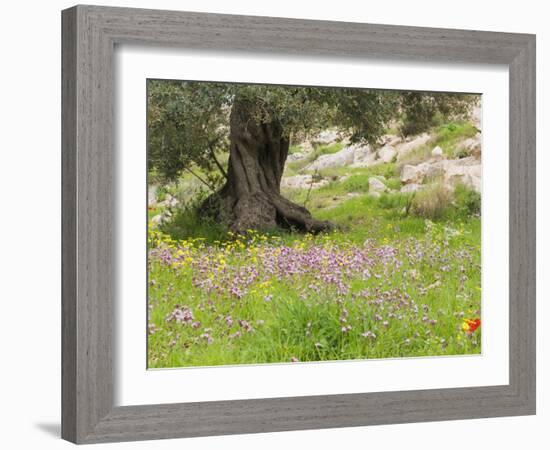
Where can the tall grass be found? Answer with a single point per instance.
(216, 298)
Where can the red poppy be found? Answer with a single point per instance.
(471, 325)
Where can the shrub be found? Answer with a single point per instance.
(393, 183)
(395, 201)
(187, 223)
(467, 200)
(161, 193)
(356, 183)
(432, 201)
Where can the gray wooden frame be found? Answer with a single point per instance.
(89, 36)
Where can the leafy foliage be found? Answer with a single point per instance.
(186, 124)
(188, 120)
(420, 110)
(467, 200)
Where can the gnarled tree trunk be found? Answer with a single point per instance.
(250, 198)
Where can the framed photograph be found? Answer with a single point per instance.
(279, 224)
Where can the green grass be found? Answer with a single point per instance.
(444, 282)
(423, 290)
(447, 137)
(450, 135)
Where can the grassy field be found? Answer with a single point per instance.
(397, 278)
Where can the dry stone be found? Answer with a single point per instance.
(301, 182)
(472, 146)
(387, 154)
(409, 145)
(376, 186)
(411, 174)
(437, 152)
(327, 137)
(355, 155)
(413, 187)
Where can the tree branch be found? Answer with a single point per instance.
(208, 185)
(218, 164)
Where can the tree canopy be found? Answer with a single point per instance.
(188, 121)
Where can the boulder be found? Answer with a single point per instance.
(389, 139)
(361, 153)
(357, 155)
(410, 144)
(413, 187)
(342, 158)
(411, 174)
(327, 137)
(301, 182)
(152, 195)
(169, 201)
(437, 152)
(376, 186)
(465, 170)
(306, 147)
(387, 154)
(472, 146)
(161, 218)
(295, 156)
(476, 116)
(366, 160)
(469, 175)
(157, 220)
(430, 170)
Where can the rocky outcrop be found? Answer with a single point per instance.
(358, 155)
(161, 218)
(411, 174)
(327, 137)
(387, 154)
(404, 147)
(413, 187)
(342, 158)
(464, 170)
(351, 155)
(437, 152)
(295, 156)
(152, 195)
(476, 116)
(376, 186)
(471, 146)
(302, 182)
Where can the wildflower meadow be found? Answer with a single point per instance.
(260, 298)
(322, 246)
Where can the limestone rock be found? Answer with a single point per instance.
(413, 187)
(152, 195)
(387, 154)
(342, 158)
(472, 146)
(169, 201)
(411, 144)
(326, 137)
(437, 152)
(361, 153)
(355, 155)
(470, 175)
(301, 182)
(411, 174)
(295, 156)
(376, 185)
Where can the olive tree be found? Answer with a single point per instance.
(190, 124)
